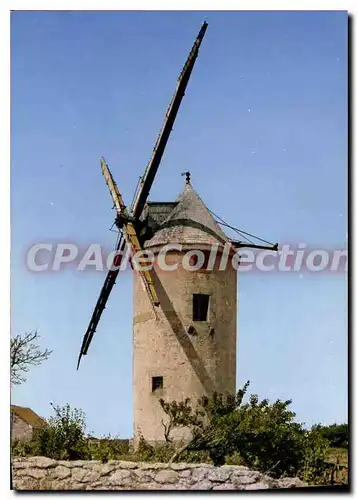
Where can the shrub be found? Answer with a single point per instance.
(64, 437)
(258, 434)
(24, 448)
(336, 434)
(109, 448)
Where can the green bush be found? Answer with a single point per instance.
(336, 434)
(109, 448)
(24, 448)
(258, 434)
(64, 437)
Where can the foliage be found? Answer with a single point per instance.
(336, 434)
(339, 455)
(223, 429)
(258, 434)
(64, 437)
(314, 466)
(180, 414)
(24, 448)
(108, 448)
(25, 352)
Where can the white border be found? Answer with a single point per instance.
(5, 138)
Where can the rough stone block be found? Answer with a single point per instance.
(166, 476)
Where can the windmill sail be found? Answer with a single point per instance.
(158, 151)
(141, 196)
(102, 300)
(129, 230)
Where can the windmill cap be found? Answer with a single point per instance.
(189, 223)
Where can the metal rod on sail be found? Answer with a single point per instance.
(152, 167)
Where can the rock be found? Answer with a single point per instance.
(91, 463)
(78, 474)
(185, 473)
(65, 463)
(199, 474)
(224, 486)
(152, 465)
(35, 473)
(220, 475)
(257, 486)
(242, 479)
(291, 482)
(238, 469)
(61, 472)
(91, 476)
(44, 462)
(127, 465)
(79, 463)
(148, 486)
(104, 469)
(17, 464)
(120, 478)
(202, 485)
(166, 476)
(143, 478)
(179, 466)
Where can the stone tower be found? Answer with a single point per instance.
(189, 349)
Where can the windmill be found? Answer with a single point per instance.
(184, 325)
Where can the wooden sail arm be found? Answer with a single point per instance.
(102, 301)
(147, 180)
(126, 223)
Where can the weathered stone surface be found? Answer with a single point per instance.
(149, 465)
(78, 474)
(39, 473)
(127, 465)
(199, 474)
(243, 479)
(221, 474)
(224, 486)
(35, 473)
(104, 469)
(183, 466)
(61, 472)
(91, 463)
(65, 463)
(166, 476)
(257, 486)
(91, 477)
(44, 462)
(291, 482)
(185, 473)
(202, 485)
(143, 478)
(120, 478)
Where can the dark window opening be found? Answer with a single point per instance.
(157, 383)
(200, 306)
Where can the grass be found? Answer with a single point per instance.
(338, 453)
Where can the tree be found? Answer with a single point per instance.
(25, 352)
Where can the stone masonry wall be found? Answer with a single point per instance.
(40, 473)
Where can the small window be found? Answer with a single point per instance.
(200, 306)
(157, 383)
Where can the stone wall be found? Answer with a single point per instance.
(40, 473)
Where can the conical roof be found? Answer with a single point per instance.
(189, 223)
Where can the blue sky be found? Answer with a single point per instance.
(262, 128)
